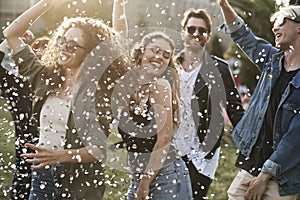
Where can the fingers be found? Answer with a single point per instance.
(34, 147)
(39, 166)
(253, 196)
(35, 156)
(142, 195)
(38, 162)
(247, 184)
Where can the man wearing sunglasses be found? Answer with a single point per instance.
(268, 135)
(205, 82)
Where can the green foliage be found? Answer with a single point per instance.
(256, 14)
(6, 149)
(216, 48)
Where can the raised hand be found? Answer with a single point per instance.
(222, 2)
(17, 28)
(227, 11)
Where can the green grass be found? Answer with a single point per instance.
(6, 149)
(117, 181)
(225, 171)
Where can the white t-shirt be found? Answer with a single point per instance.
(53, 122)
(186, 140)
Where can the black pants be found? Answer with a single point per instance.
(18, 95)
(200, 183)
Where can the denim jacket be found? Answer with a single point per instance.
(284, 163)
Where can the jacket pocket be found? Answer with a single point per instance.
(289, 110)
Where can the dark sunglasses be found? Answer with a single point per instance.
(191, 30)
(280, 21)
(165, 53)
(71, 45)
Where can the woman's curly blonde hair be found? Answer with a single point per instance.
(94, 30)
(101, 40)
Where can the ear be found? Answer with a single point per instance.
(208, 37)
(298, 29)
(182, 34)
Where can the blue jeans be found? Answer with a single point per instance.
(171, 183)
(46, 183)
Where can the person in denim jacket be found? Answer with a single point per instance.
(268, 134)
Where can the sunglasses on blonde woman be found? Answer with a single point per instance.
(166, 54)
(71, 45)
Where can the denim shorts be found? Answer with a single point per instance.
(46, 183)
(171, 183)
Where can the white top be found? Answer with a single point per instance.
(186, 140)
(53, 122)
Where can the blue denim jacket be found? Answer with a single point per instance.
(284, 163)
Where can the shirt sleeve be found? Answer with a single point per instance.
(232, 27)
(271, 167)
(29, 66)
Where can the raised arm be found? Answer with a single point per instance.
(119, 20)
(3, 46)
(14, 32)
(228, 13)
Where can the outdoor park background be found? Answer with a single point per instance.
(150, 13)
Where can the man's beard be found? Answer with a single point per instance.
(195, 46)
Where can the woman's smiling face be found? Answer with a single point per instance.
(72, 48)
(157, 54)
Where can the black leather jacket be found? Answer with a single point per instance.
(214, 85)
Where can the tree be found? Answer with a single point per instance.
(294, 2)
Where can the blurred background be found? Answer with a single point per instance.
(164, 14)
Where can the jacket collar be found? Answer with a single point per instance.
(296, 80)
(279, 56)
(208, 74)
